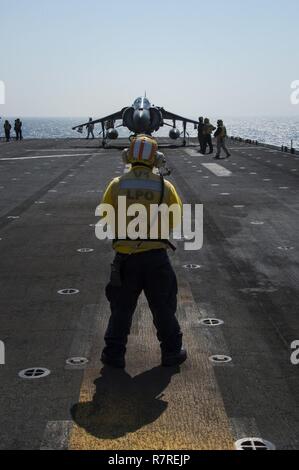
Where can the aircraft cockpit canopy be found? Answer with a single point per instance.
(141, 103)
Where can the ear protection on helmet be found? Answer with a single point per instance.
(159, 160)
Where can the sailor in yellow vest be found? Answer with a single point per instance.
(143, 264)
(220, 135)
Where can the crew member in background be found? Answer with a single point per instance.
(142, 265)
(18, 129)
(7, 129)
(207, 136)
(200, 127)
(220, 135)
(90, 128)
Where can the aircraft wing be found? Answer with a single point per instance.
(172, 116)
(111, 117)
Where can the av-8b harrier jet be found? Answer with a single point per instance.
(140, 118)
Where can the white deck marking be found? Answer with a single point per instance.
(193, 152)
(217, 169)
(47, 156)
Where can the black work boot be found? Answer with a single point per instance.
(174, 359)
(117, 362)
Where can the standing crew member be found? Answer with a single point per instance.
(200, 127)
(207, 136)
(90, 128)
(7, 129)
(220, 135)
(18, 129)
(142, 265)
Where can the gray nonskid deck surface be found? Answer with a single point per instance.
(248, 277)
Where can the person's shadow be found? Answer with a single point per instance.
(123, 404)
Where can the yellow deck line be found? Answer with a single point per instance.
(126, 412)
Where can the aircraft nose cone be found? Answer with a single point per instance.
(141, 120)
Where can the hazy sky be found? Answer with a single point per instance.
(90, 57)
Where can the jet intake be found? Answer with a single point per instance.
(174, 133)
(128, 119)
(112, 134)
(142, 120)
(156, 119)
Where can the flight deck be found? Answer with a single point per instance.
(238, 305)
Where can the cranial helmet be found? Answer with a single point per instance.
(143, 149)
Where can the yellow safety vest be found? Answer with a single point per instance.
(140, 185)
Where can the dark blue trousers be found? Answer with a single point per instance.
(152, 273)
